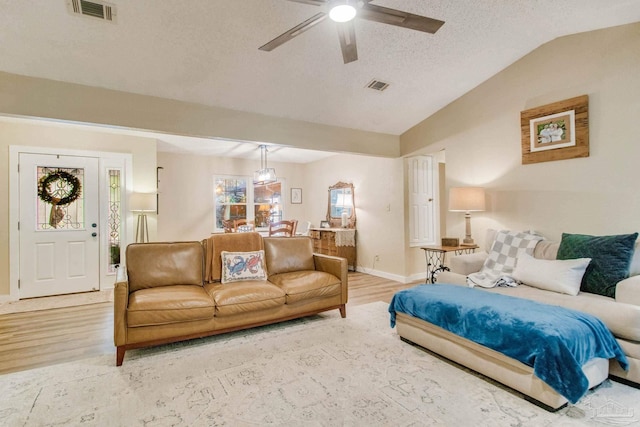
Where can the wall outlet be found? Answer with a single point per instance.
(376, 258)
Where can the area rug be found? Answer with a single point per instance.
(58, 301)
(319, 371)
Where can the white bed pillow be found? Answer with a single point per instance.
(562, 276)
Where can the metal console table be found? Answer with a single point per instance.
(435, 257)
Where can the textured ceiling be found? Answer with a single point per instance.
(206, 51)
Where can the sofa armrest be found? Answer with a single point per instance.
(628, 290)
(467, 263)
(120, 303)
(336, 266)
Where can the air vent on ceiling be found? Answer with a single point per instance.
(377, 85)
(92, 9)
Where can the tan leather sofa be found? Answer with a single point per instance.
(172, 291)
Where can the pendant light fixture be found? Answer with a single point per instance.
(264, 175)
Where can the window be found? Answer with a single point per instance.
(236, 197)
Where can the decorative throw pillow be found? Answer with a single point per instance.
(562, 276)
(238, 266)
(610, 259)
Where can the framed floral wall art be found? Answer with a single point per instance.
(556, 131)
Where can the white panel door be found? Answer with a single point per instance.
(421, 196)
(59, 242)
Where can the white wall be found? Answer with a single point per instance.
(481, 135)
(143, 151)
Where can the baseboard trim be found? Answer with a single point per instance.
(6, 298)
(391, 276)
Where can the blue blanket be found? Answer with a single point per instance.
(553, 340)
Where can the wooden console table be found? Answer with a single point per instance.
(435, 256)
(337, 242)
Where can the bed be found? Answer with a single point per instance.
(551, 354)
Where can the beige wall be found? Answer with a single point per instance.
(379, 199)
(143, 151)
(186, 192)
(481, 135)
(186, 199)
(33, 97)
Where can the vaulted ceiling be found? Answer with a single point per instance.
(206, 51)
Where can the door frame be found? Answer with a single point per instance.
(106, 160)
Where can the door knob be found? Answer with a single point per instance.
(94, 225)
(94, 234)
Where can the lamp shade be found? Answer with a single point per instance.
(142, 202)
(466, 199)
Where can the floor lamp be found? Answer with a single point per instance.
(467, 200)
(142, 203)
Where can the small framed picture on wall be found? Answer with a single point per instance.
(296, 196)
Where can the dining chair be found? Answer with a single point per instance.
(228, 226)
(283, 228)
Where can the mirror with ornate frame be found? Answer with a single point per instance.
(341, 201)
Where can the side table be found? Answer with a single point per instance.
(435, 257)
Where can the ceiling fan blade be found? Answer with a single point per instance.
(311, 2)
(295, 31)
(399, 18)
(347, 36)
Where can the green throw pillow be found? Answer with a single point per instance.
(610, 259)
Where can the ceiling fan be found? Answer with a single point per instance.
(343, 12)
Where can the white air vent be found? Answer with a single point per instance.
(92, 9)
(377, 85)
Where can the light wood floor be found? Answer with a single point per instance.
(42, 338)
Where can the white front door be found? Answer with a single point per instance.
(59, 241)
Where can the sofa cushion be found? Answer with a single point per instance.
(245, 297)
(285, 254)
(164, 264)
(169, 304)
(610, 259)
(238, 266)
(628, 291)
(634, 268)
(305, 285)
(563, 276)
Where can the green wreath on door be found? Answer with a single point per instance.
(60, 179)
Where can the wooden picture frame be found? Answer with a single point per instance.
(296, 196)
(555, 131)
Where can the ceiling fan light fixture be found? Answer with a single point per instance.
(343, 12)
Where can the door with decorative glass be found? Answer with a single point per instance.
(59, 217)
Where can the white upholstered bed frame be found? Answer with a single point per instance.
(491, 363)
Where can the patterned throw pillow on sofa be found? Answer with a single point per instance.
(238, 266)
(610, 259)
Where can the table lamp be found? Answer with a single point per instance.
(467, 199)
(142, 203)
(345, 201)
